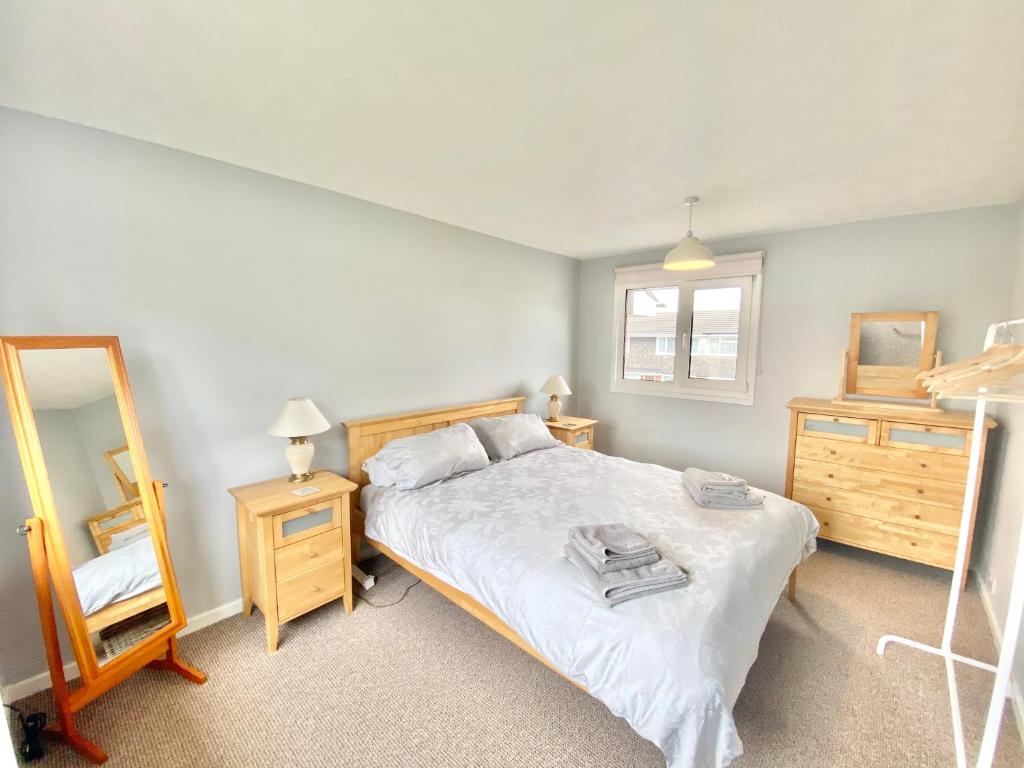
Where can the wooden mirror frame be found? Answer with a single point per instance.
(925, 361)
(49, 554)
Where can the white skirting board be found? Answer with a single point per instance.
(41, 682)
(1016, 695)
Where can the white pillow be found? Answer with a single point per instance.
(412, 462)
(505, 437)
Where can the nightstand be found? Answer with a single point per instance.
(295, 550)
(574, 431)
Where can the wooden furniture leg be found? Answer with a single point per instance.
(173, 663)
(244, 558)
(65, 730)
(346, 527)
(792, 586)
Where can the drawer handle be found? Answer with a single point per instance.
(828, 498)
(917, 517)
(920, 490)
(313, 553)
(830, 474)
(314, 588)
(832, 452)
(836, 420)
(927, 429)
(924, 466)
(913, 543)
(826, 523)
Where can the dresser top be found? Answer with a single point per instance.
(863, 409)
(273, 496)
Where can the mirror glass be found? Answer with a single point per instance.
(895, 343)
(107, 539)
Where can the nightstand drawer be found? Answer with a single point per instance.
(304, 523)
(310, 590)
(292, 560)
(583, 439)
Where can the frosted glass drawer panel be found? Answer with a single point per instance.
(922, 437)
(300, 524)
(838, 428)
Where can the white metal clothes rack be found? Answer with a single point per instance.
(998, 388)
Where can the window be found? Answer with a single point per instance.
(713, 313)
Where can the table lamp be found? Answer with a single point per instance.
(555, 386)
(298, 420)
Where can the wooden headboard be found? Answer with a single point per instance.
(368, 436)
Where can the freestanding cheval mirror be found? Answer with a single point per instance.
(98, 535)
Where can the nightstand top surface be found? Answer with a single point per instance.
(273, 496)
(570, 423)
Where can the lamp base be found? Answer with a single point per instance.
(299, 454)
(554, 408)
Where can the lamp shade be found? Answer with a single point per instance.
(299, 418)
(691, 253)
(555, 385)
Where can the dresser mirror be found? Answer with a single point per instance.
(887, 352)
(98, 535)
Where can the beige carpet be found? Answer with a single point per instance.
(424, 684)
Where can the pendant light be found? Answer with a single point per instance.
(691, 253)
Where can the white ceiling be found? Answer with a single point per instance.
(65, 379)
(574, 126)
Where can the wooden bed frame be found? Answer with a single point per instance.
(367, 437)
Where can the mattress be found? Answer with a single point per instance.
(671, 664)
(117, 575)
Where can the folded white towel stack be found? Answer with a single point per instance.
(619, 564)
(717, 490)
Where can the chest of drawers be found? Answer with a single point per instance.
(883, 479)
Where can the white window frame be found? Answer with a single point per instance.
(745, 269)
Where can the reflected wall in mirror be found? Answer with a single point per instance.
(888, 350)
(98, 535)
(107, 539)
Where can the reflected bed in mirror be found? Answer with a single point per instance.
(108, 541)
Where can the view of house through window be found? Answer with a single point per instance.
(650, 343)
(714, 334)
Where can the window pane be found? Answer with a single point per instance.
(650, 343)
(715, 329)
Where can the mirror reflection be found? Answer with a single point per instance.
(896, 343)
(106, 536)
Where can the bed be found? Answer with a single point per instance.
(491, 541)
(120, 584)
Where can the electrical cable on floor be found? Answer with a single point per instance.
(396, 602)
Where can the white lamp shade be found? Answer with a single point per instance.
(691, 253)
(299, 418)
(555, 385)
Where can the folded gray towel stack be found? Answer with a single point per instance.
(620, 564)
(717, 490)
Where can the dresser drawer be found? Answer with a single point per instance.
(899, 460)
(304, 523)
(920, 437)
(583, 439)
(840, 428)
(293, 559)
(888, 538)
(930, 491)
(310, 589)
(911, 514)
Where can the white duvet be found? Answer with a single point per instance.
(117, 575)
(671, 664)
